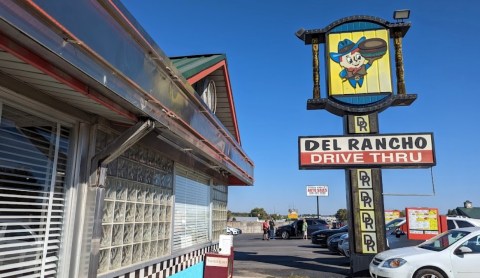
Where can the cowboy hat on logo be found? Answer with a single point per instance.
(344, 47)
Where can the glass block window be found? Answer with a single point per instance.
(219, 210)
(192, 209)
(34, 158)
(137, 215)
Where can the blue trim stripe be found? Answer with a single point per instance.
(195, 271)
(360, 100)
(356, 26)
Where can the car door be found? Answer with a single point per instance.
(312, 226)
(466, 265)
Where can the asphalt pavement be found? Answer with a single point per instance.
(291, 258)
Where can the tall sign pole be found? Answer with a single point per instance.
(359, 87)
(317, 191)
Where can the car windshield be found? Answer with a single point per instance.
(393, 223)
(443, 240)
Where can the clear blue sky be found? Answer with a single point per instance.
(271, 77)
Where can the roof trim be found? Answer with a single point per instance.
(202, 74)
(208, 61)
(26, 55)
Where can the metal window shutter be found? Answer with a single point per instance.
(192, 209)
(33, 164)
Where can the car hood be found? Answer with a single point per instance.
(403, 253)
(284, 227)
(327, 231)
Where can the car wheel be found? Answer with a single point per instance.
(429, 273)
(285, 235)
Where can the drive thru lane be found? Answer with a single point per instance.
(294, 258)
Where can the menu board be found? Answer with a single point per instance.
(422, 223)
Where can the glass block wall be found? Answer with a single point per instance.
(137, 215)
(219, 210)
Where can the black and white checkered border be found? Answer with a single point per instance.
(171, 266)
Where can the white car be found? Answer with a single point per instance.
(398, 238)
(233, 231)
(344, 245)
(452, 254)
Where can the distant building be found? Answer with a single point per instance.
(468, 210)
(246, 219)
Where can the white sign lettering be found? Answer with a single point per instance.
(400, 150)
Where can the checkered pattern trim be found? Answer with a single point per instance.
(171, 266)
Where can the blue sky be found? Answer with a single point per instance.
(271, 77)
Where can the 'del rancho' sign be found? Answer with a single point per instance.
(390, 150)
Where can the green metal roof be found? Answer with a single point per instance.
(191, 65)
(469, 212)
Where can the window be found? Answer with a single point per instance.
(137, 213)
(451, 224)
(392, 224)
(192, 209)
(463, 224)
(34, 154)
(474, 244)
(219, 210)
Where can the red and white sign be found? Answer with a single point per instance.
(317, 190)
(392, 150)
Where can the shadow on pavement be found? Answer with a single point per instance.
(329, 265)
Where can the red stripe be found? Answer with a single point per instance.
(369, 157)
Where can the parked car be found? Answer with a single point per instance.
(295, 229)
(233, 231)
(454, 253)
(397, 235)
(320, 237)
(332, 242)
(344, 245)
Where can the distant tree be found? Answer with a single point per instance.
(276, 216)
(229, 215)
(259, 212)
(402, 213)
(341, 215)
(240, 214)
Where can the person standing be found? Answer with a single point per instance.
(305, 228)
(266, 228)
(272, 228)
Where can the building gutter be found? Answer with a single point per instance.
(164, 95)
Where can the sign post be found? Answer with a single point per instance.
(317, 190)
(359, 87)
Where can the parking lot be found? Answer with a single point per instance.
(293, 258)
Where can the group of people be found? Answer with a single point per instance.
(268, 228)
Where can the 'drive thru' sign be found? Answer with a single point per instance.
(392, 150)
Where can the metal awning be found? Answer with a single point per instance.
(70, 65)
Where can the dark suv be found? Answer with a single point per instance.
(295, 229)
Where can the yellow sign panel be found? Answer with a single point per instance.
(369, 243)
(365, 198)
(367, 220)
(362, 124)
(293, 215)
(364, 178)
(359, 63)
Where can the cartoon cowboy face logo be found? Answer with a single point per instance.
(357, 58)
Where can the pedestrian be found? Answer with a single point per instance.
(305, 228)
(272, 228)
(266, 228)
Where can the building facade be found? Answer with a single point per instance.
(115, 160)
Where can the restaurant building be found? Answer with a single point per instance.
(115, 160)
